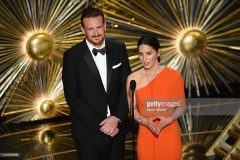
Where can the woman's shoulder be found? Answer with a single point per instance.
(173, 76)
(172, 72)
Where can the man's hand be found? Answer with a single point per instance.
(114, 132)
(109, 126)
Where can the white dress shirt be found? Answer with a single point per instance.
(100, 61)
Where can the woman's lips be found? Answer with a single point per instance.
(145, 63)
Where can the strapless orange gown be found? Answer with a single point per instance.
(167, 146)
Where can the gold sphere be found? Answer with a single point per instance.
(193, 43)
(46, 107)
(39, 46)
(47, 137)
(192, 156)
(195, 152)
(196, 148)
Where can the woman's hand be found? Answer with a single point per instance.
(149, 122)
(164, 121)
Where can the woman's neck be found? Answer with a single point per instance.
(154, 70)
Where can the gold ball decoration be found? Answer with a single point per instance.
(47, 137)
(39, 46)
(195, 152)
(192, 43)
(196, 148)
(46, 107)
(192, 156)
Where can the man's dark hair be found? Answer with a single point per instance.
(91, 12)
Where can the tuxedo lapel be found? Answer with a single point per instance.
(90, 62)
(109, 54)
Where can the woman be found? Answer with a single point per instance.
(158, 135)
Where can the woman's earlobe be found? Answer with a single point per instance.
(159, 51)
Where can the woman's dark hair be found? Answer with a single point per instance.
(151, 41)
(91, 12)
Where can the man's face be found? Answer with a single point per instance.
(94, 28)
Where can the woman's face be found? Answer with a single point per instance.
(148, 55)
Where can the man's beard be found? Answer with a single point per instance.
(98, 42)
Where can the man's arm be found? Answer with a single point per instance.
(72, 91)
(122, 109)
(119, 115)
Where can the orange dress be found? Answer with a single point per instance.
(167, 146)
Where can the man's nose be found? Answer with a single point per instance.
(95, 32)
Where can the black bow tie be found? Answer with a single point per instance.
(102, 51)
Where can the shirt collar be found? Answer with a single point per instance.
(90, 46)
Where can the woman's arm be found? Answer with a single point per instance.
(164, 121)
(148, 122)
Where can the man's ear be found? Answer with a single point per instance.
(83, 30)
(105, 25)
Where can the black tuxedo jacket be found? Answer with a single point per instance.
(85, 93)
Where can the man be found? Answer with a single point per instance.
(94, 87)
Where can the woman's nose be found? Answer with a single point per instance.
(144, 57)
